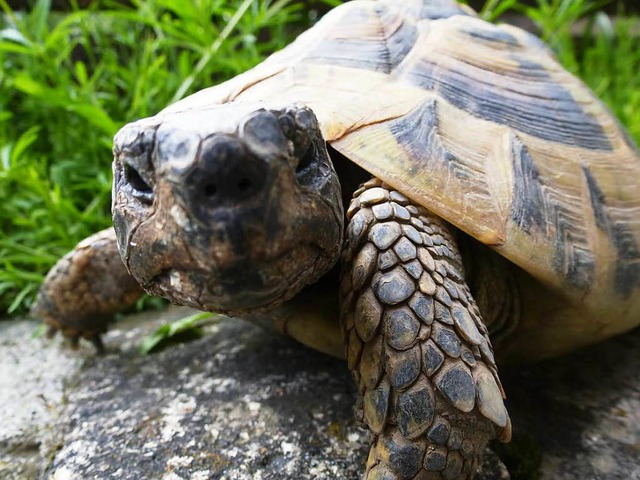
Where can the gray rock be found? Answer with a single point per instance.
(32, 388)
(244, 403)
(581, 411)
(239, 403)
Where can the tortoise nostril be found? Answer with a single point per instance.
(210, 190)
(232, 190)
(244, 184)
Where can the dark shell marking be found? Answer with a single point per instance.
(384, 41)
(627, 276)
(474, 89)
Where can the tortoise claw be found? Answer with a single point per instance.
(73, 338)
(97, 342)
(51, 332)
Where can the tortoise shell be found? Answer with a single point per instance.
(481, 125)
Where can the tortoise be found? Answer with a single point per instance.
(446, 176)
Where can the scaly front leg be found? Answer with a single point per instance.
(417, 347)
(87, 286)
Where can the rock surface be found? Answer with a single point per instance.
(581, 411)
(32, 378)
(243, 403)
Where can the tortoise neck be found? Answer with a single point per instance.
(493, 285)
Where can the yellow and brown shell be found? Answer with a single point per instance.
(481, 125)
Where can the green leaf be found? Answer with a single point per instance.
(24, 142)
(28, 85)
(14, 35)
(17, 302)
(95, 115)
(81, 73)
(191, 325)
(38, 18)
(494, 9)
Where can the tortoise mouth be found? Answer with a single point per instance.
(241, 287)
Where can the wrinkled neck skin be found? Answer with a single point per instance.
(493, 286)
(227, 209)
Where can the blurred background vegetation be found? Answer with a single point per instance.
(74, 72)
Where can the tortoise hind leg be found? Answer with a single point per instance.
(416, 345)
(85, 288)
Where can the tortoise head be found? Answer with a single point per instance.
(227, 209)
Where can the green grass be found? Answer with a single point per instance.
(70, 80)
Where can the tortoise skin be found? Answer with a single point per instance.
(417, 346)
(83, 290)
(480, 124)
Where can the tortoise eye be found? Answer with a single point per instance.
(141, 189)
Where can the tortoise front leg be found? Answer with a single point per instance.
(417, 348)
(85, 288)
